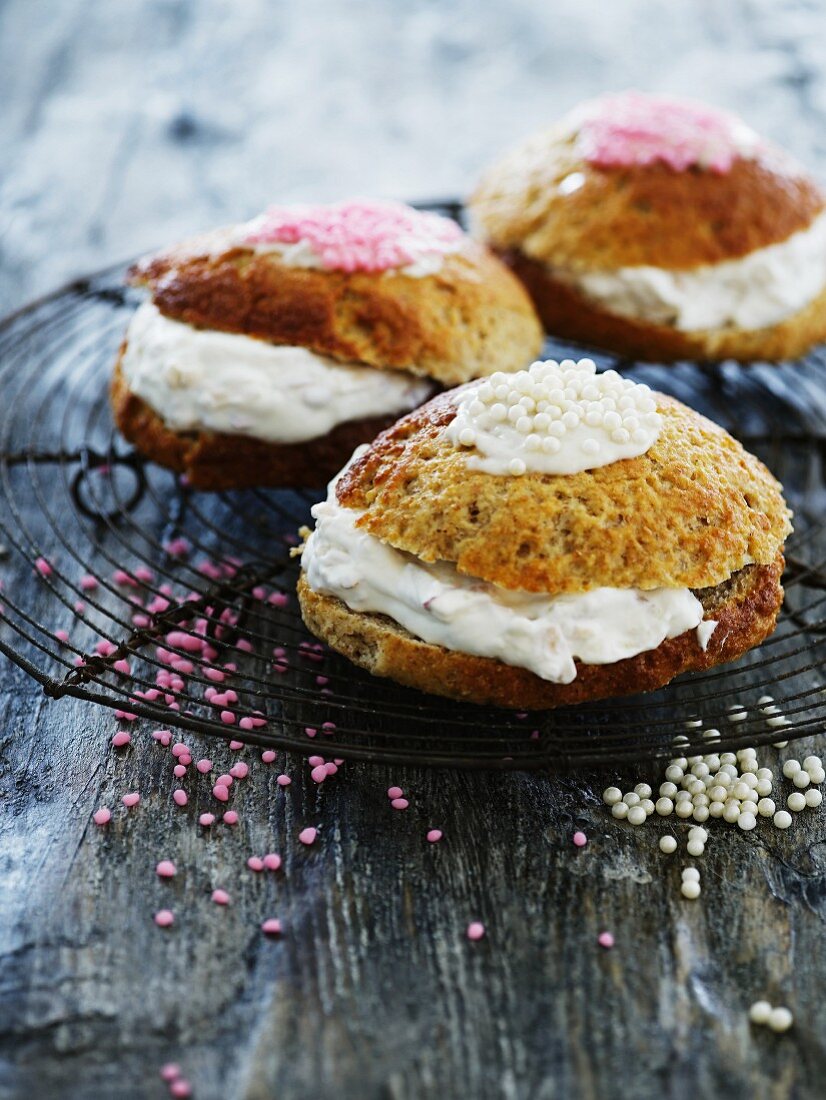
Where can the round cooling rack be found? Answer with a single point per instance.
(123, 587)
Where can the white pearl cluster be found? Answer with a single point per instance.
(554, 418)
(777, 1019)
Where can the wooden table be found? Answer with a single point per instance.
(132, 123)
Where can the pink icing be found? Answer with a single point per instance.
(358, 235)
(630, 128)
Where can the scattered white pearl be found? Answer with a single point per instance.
(690, 890)
(664, 806)
(817, 775)
(668, 844)
(636, 815)
(674, 773)
(813, 797)
(690, 874)
(737, 713)
(763, 787)
(716, 809)
(631, 798)
(611, 795)
(796, 802)
(695, 847)
(812, 762)
(668, 790)
(747, 821)
(766, 807)
(791, 768)
(731, 812)
(748, 806)
(780, 1019)
(648, 806)
(759, 1012)
(619, 810)
(701, 813)
(801, 779)
(643, 790)
(782, 819)
(685, 808)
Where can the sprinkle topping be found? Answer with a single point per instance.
(554, 418)
(356, 235)
(620, 131)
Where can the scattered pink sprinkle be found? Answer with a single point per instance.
(255, 863)
(605, 939)
(268, 756)
(220, 897)
(180, 797)
(399, 803)
(283, 780)
(310, 731)
(272, 860)
(121, 577)
(236, 746)
(394, 792)
(166, 869)
(279, 599)
(206, 820)
(228, 717)
(131, 799)
(43, 567)
(322, 680)
(170, 1071)
(164, 918)
(102, 816)
(164, 736)
(180, 1089)
(580, 839)
(62, 635)
(224, 780)
(231, 817)
(308, 835)
(178, 748)
(240, 770)
(314, 761)
(177, 548)
(179, 771)
(475, 930)
(246, 723)
(434, 835)
(221, 792)
(185, 759)
(204, 766)
(271, 927)
(126, 716)
(88, 583)
(80, 607)
(121, 738)
(328, 727)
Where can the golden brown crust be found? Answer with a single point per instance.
(746, 610)
(469, 319)
(212, 460)
(690, 512)
(568, 314)
(620, 217)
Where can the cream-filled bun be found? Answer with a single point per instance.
(546, 537)
(662, 229)
(269, 350)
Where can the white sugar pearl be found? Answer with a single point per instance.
(801, 779)
(741, 790)
(766, 807)
(737, 713)
(782, 819)
(551, 446)
(684, 808)
(648, 806)
(664, 806)
(748, 806)
(668, 790)
(631, 798)
(748, 777)
(611, 795)
(674, 773)
(791, 768)
(643, 790)
(498, 412)
(776, 723)
(780, 1019)
(812, 762)
(690, 890)
(523, 425)
(690, 874)
(516, 467)
(731, 812)
(679, 761)
(467, 437)
(695, 847)
(698, 832)
(728, 758)
(619, 810)
(701, 813)
(699, 800)
(763, 787)
(747, 821)
(759, 1012)
(668, 844)
(765, 699)
(682, 796)
(717, 793)
(796, 802)
(723, 779)
(716, 809)
(813, 797)
(590, 447)
(713, 763)
(765, 773)
(818, 775)
(636, 815)
(700, 770)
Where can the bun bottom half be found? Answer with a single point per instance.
(746, 608)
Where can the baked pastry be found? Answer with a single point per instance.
(269, 350)
(546, 537)
(662, 229)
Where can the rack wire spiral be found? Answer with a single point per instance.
(77, 503)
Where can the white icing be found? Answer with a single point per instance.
(554, 418)
(441, 606)
(201, 379)
(759, 289)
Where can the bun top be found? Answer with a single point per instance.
(631, 179)
(689, 512)
(375, 283)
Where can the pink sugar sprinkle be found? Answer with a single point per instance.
(236, 746)
(318, 774)
(267, 756)
(180, 797)
(434, 835)
(131, 799)
(126, 716)
(88, 583)
(227, 717)
(308, 835)
(204, 766)
(179, 639)
(121, 738)
(605, 939)
(170, 1071)
(120, 576)
(580, 839)
(255, 863)
(230, 817)
(246, 723)
(310, 731)
(322, 680)
(166, 869)
(475, 930)
(394, 792)
(271, 927)
(225, 780)
(185, 759)
(164, 918)
(331, 768)
(399, 803)
(102, 816)
(279, 599)
(220, 897)
(314, 761)
(180, 1089)
(144, 574)
(80, 607)
(272, 861)
(176, 548)
(179, 747)
(328, 727)
(164, 736)
(283, 780)
(245, 645)
(62, 635)
(358, 235)
(206, 820)
(215, 675)
(221, 792)
(179, 771)
(240, 770)
(105, 648)
(631, 128)
(43, 567)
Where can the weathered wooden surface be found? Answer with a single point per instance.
(126, 124)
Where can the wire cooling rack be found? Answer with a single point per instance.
(122, 587)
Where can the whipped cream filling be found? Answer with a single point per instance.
(544, 634)
(758, 290)
(201, 379)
